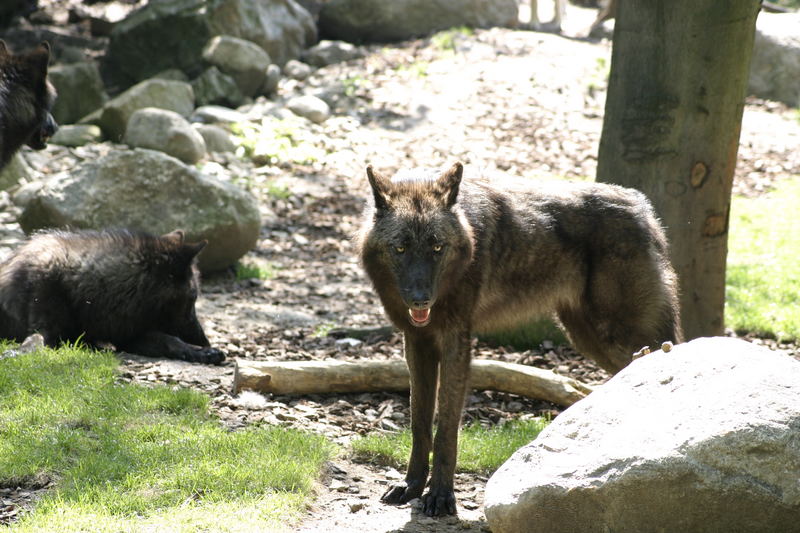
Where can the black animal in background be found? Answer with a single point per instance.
(26, 98)
(133, 290)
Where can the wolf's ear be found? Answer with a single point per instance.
(176, 236)
(39, 58)
(191, 249)
(4, 53)
(449, 182)
(380, 188)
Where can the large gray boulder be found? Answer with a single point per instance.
(775, 66)
(244, 61)
(382, 21)
(165, 131)
(80, 91)
(172, 95)
(173, 33)
(703, 438)
(151, 191)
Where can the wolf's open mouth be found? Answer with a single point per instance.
(420, 317)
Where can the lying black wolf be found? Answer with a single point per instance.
(133, 290)
(448, 258)
(26, 98)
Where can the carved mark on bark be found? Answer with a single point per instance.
(715, 225)
(699, 174)
(647, 128)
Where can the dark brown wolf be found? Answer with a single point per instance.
(133, 290)
(26, 98)
(448, 258)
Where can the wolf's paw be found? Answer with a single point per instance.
(439, 501)
(207, 355)
(403, 492)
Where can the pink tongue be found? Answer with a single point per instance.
(420, 315)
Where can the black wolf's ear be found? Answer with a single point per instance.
(39, 58)
(175, 237)
(449, 182)
(380, 188)
(4, 52)
(191, 249)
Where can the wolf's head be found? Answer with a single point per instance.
(418, 242)
(176, 270)
(26, 97)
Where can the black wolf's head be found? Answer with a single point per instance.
(176, 265)
(26, 97)
(418, 241)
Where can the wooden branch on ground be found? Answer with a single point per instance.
(373, 334)
(314, 377)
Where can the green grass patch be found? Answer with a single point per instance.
(253, 270)
(526, 337)
(133, 458)
(447, 40)
(763, 274)
(276, 141)
(321, 330)
(480, 450)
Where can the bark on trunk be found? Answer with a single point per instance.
(679, 73)
(314, 377)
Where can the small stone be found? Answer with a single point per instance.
(337, 485)
(210, 114)
(514, 407)
(77, 135)
(217, 139)
(355, 506)
(310, 107)
(329, 52)
(271, 79)
(297, 69)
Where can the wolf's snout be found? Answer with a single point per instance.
(417, 298)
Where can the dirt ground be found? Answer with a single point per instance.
(501, 101)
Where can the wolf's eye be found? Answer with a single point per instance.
(399, 249)
(437, 248)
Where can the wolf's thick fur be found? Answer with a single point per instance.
(133, 290)
(448, 257)
(26, 98)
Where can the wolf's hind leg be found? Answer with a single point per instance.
(627, 304)
(585, 337)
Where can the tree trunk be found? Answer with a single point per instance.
(679, 73)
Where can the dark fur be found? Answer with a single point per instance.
(133, 290)
(26, 98)
(487, 256)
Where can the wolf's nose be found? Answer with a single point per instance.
(421, 304)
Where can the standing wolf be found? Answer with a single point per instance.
(448, 258)
(133, 290)
(26, 98)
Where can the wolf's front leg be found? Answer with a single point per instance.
(453, 383)
(423, 363)
(158, 344)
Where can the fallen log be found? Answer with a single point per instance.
(315, 377)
